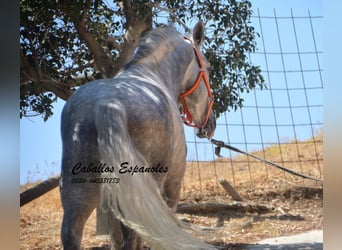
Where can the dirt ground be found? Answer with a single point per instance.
(293, 205)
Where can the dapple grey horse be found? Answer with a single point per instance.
(124, 144)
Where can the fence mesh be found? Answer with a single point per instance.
(283, 123)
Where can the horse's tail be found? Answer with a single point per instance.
(136, 199)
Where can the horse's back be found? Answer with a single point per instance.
(139, 99)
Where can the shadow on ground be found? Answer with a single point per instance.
(238, 246)
(300, 246)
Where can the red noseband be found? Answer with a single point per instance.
(202, 75)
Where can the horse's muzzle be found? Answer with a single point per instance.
(208, 130)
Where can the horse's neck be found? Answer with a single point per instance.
(169, 71)
(165, 82)
(151, 78)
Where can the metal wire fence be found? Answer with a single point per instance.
(282, 123)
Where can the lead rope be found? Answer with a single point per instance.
(221, 144)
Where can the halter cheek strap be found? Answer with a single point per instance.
(202, 75)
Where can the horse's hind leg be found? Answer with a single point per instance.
(78, 203)
(123, 238)
(79, 200)
(132, 240)
(79, 197)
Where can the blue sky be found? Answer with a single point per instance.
(40, 143)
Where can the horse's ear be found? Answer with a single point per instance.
(198, 33)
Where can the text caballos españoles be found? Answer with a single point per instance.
(124, 168)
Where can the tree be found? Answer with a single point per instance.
(64, 44)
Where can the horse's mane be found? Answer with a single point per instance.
(165, 38)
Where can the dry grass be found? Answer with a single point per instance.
(298, 203)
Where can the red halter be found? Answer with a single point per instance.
(185, 112)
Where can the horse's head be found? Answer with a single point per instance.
(197, 99)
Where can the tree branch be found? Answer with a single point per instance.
(103, 61)
(31, 73)
(112, 43)
(135, 27)
(27, 71)
(62, 90)
(173, 14)
(127, 8)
